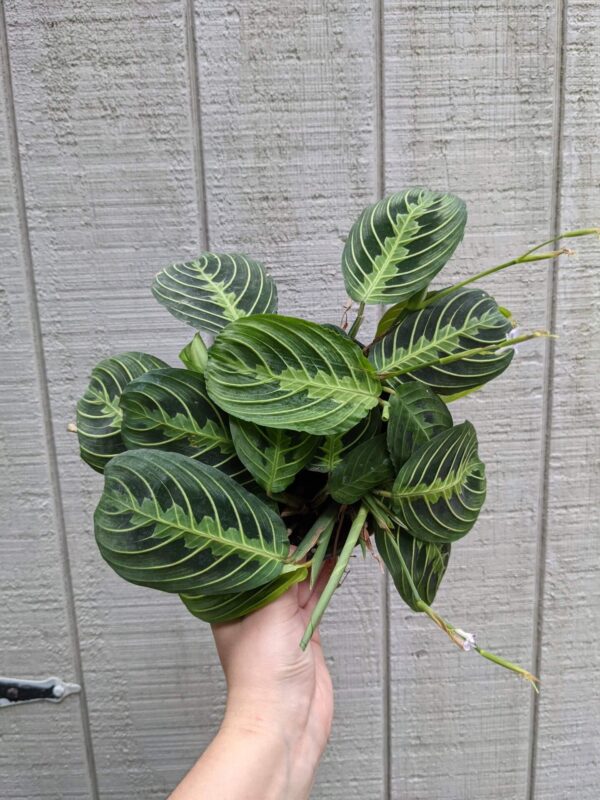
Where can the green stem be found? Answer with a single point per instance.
(324, 522)
(319, 556)
(474, 351)
(360, 315)
(526, 257)
(335, 577)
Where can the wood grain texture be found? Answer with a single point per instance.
(289, 110)
(469, 108)
(103, 111)
(42, 750)
(567, 757)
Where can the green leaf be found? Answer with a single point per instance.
(425, 562)
(214, 290)
(331, 449)
(273, 456)
(397, 246)
(173, 523)
(463, 320)
(194, 355)
(283, 372)
(169, 409)
(226, 607)
(416, 414)
(440, 490)
(99, 410)
(361, 470)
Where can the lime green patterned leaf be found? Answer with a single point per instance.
(426, 563)
(331, 449)
(99, 410)
(362, 469)
(283, 372)
(226, 607)
(273, 456)
(416, 414)
(463, 320)
(215, 289)
(173, 523)
(397, 246)
(439, 492)
(194, 355)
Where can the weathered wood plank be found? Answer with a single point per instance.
(567, 756)
(42, 750)
(103, 109)
(468, 107)
(288, 110)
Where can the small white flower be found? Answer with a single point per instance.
(469, 639)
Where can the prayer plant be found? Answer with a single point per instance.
(287, 442)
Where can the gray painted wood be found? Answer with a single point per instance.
(567, 745)
(289, 108)
(103, 111)
(469, 108)
(42, 747)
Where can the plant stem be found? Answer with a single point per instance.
(360, 314)
(336, 576)
(475, 351)
(524, 258)
(323, 523)
(319, 556)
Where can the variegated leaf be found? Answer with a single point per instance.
(398, 245)
(361, 470)
(332, 449)
(283, 372)
(99, 411)
(439, 492)
(215, 289)
(425, 562)
(461, 321)
(170, 522)
(416, 414)
(273, 456)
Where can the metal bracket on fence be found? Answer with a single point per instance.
(15, 690)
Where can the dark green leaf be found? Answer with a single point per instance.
(397, 246)
(416, 414)
(463, 320)
(331, 449)
(440, 490)
(99, 410)
(361, 470)
(226, 607)
(273, 456)
(283, 372)
(170, 409)
(426, 563)
(173, 523)
(215, 289)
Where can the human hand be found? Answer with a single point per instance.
(279, 706)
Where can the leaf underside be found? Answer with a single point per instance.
(99, 411)
(438, 493)
(416, 414)
(215, 289)
(167, 521)
(283, 372)
(398, 245)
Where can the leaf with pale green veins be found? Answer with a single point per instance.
(169, 409)
(439, 492)
(361, 470)
(332, 449)
(461, 321)
(425, 562)
(172, 523)
(215, 289)
(226, 607)
(273, 456)
(398, 245)
(416, 414)
(99, 411)
(283, 372)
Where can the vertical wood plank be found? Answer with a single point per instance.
(103, 109)
(469, 108)
(567, 745)
(289, 125)
(42, 746)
